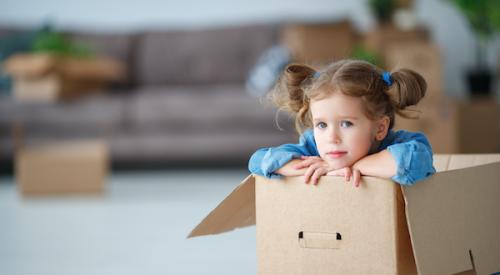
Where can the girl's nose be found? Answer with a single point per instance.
(334, 137)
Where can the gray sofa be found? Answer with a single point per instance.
(183, 102)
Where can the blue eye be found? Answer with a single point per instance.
(321, 125)
(345, 124)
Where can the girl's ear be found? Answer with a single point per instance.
(382, 128)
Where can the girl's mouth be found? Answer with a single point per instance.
(336, 154)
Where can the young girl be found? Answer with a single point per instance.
(351, 108)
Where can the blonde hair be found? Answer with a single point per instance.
(300, 83)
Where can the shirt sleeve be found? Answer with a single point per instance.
(413, 158)
(267, 160)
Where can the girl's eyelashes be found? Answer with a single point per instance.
(321, 125)
(345, 123)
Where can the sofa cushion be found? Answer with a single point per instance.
(211, 108)
(193, 148)
(91, 116)
(201, 56)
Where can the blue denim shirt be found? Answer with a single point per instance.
(412, 152)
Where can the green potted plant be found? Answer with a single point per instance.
(383, 10)
(360, 52)
(49, 41)
(484, 19)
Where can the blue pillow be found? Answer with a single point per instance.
(267, 70)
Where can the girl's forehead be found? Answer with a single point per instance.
(323, 92)
(337, 104)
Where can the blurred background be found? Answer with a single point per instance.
(123, 123)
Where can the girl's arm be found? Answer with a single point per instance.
(267, 161)
(412, 155)
(414, 161)
(407, 160)
(381, 164)
(289, 170)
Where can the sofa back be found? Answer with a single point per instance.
(201, 56)
(120, 46)
(179, 57)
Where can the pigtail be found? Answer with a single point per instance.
(289, 94)
(407, 89)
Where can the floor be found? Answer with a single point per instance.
(138, 227)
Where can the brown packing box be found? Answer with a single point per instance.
(384, 38)
(63, 168)
(334, 228)
(438, 119)
(319, 43)
(91, 68)
(52, 87)
(479, 126)
(422, 57)
(453, 126)
(383, 35)
(46, 77)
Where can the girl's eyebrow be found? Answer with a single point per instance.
(349, 117)
(340, 117)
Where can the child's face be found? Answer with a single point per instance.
(342, 131)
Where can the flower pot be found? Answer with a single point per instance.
(479, 82)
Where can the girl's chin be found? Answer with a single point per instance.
(339, 164)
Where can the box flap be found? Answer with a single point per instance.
(459, 161)
(235, 211)
(454, 216)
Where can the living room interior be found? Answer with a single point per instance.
(123, 123)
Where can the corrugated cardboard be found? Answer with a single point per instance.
(453, 126)
(423, 57)
(40, 64)
(53, 87)
(438, 119)
(474, 136)
(335, 228)
(319, 43)
(379, 38)
(47, 77)
(64, 168)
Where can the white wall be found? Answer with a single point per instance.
(124, 15)
(448, 27)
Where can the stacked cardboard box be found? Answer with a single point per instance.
(422, 57)
(452, 126)
(383, 37)
(319, 43)
(47, 77)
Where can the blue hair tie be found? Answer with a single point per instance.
(386, 76)
(316, 74)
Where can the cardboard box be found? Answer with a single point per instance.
(479, 126)
(384, 36)
(457, 126)
(53, 87)
(46, 77)
(422, 57)
(91, 68)
(334, 228)
(63, 168)
(438, 119)
(319, 43)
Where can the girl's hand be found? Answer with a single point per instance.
(348, 173)
(306, 161)
(315, 168)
